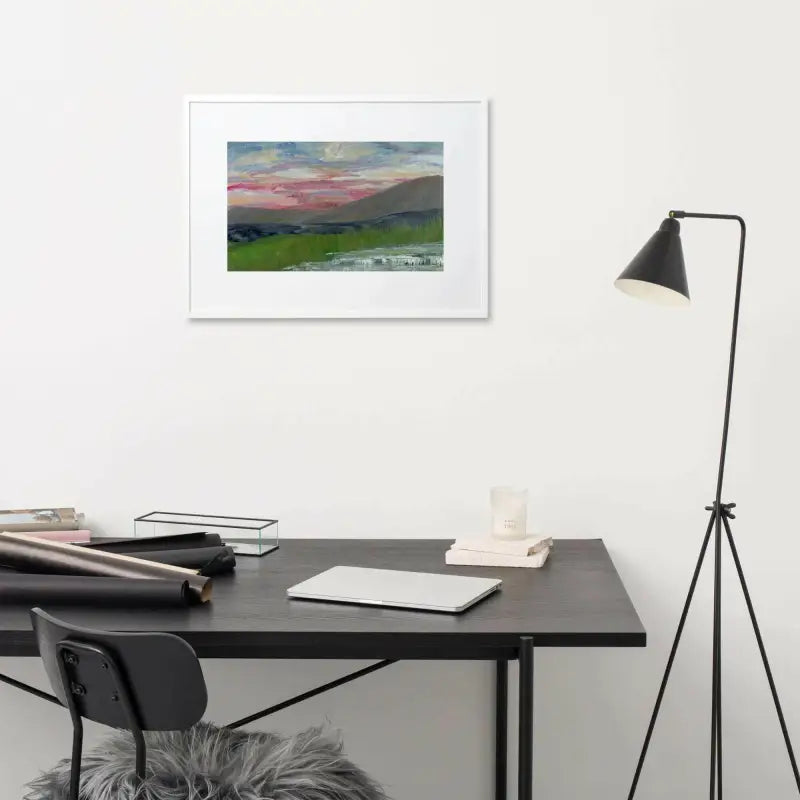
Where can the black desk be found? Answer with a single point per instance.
(576, 600)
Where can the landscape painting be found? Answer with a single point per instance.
(335, 206)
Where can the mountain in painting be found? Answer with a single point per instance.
(419, 194)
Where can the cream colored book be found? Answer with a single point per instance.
(505, 547)
(471, 558)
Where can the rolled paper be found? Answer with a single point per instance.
(224, 561)
(206, 560)
(70, 537)
(27, 554)
(171, 542)
(80, 590)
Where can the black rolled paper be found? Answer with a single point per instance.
(75, 590)
(207, 560)
(146, 544)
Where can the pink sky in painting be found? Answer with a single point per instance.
(319, 175)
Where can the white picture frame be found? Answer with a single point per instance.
(458, 290)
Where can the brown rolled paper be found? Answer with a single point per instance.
(28, 554)
(80, 590)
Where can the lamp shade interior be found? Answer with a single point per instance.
(652, 292)
(657, 272)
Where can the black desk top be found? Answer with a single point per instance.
(576, 599)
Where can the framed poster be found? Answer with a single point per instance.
(337, 207)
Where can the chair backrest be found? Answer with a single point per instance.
(106, 672)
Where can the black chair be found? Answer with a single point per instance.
(135, 681)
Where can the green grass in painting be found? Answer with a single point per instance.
(287, 250)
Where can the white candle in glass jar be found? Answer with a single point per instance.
(509, 512)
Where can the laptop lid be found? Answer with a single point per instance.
(385, 587)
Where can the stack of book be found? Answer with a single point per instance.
(487, 551)
(54, 524)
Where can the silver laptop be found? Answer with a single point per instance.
(387, 587)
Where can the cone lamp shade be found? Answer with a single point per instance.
(657, 272)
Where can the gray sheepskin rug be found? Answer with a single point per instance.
(210, 763)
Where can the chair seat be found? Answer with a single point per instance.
(210, 763)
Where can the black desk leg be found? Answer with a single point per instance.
(525, 718)
(501, 732)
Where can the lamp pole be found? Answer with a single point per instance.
(645, 268)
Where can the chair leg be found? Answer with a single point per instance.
(141, 755)
(71, 690)
(77, 752)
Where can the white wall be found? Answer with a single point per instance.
(604, 115)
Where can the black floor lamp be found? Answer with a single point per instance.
(658, 273)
